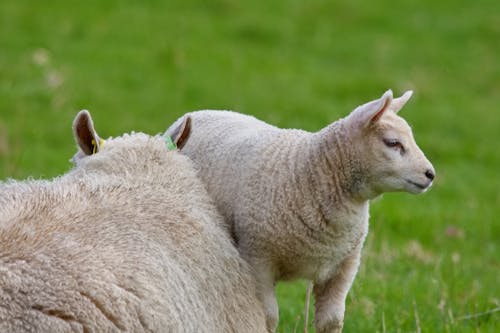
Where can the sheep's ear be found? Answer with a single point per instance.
(181, 133)
(370, 112)
(398, 103)
(85, 135)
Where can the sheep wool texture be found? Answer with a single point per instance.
(128, 240)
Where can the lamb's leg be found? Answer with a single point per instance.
(331, 295)
(265, 292)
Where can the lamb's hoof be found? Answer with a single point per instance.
(331, 327)
(271, 330)
(271, 324)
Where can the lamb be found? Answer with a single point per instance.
(128, 240)
(297, 202)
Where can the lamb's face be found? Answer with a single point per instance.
(391, 159)
(396, 163)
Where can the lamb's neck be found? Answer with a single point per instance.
(316, 175)
(336, 171)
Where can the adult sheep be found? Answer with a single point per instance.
(128, 240)
(297, 202)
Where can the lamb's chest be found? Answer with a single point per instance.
(339, 245)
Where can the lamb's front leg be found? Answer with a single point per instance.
(265, 292)
(331, 295)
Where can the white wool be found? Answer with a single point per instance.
(128, 240)
(297, 202)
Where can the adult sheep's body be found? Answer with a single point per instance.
(297, 202)
(128, 240)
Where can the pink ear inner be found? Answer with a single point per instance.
(84, 132)
(84, 135)
(380, 112)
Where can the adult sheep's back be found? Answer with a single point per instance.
(126, 241)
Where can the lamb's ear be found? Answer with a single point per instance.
(181, 133)
(370, 112)
(398, 103)
(85, 135)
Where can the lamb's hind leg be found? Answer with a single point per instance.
(331, 295)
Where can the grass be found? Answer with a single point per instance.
(430, 262)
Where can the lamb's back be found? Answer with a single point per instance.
(102, 265)
(140, 252)
(212, 129)
(225, 147)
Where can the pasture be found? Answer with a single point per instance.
(431, 262)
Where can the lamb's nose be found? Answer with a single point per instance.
(430, 174)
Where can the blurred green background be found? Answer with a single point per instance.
(431, 262)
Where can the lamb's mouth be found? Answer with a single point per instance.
(417, 185)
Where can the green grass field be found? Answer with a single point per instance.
(431, 262)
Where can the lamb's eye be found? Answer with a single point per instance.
(393, 143)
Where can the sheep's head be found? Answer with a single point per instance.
(90, 143)
(390, 156)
